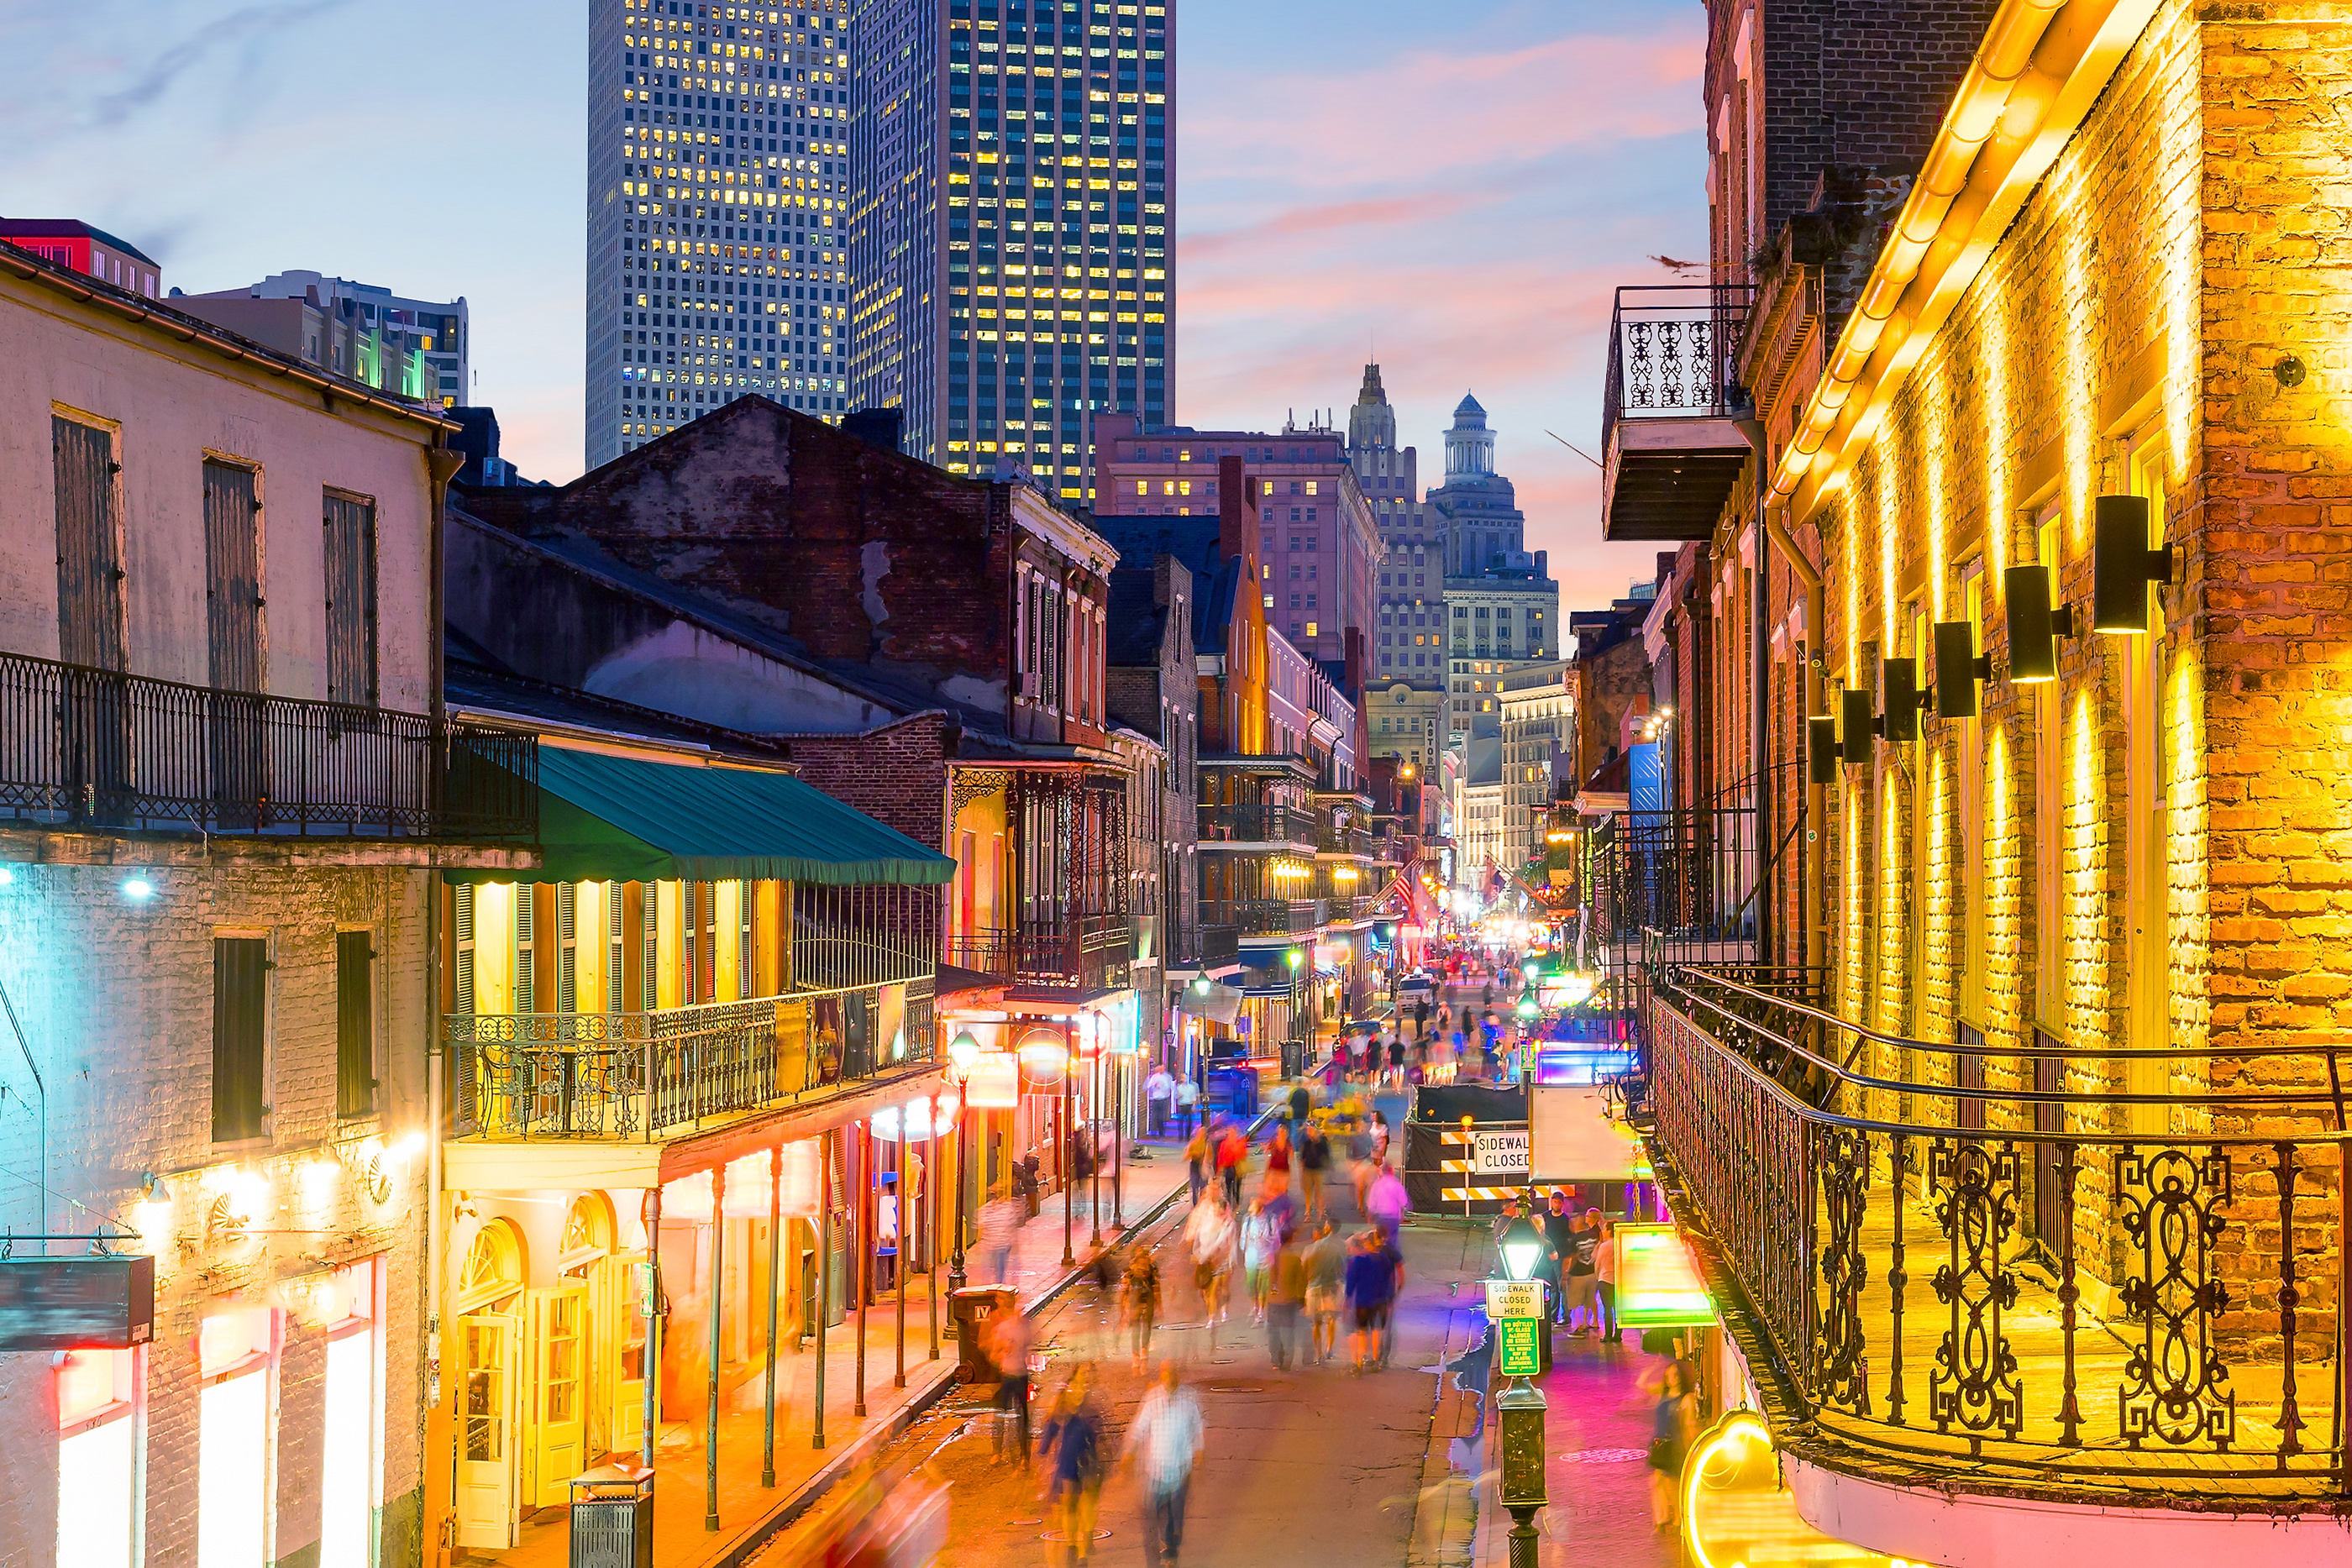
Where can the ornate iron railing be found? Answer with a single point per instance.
(1673, 353)
(1257, 825)
(92, 749)
(655, 1074)
(1084, 951)
(1261, 916)
(2005, 1269)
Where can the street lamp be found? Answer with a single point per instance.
(1521, 1409)
(963, 1050)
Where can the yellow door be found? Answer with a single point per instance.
(559, 1397)
(487, 1446)
(620, 1331)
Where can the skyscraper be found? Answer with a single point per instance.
(1407, 652)
(718, 208)
(1012, 184)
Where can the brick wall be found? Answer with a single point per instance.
(896, 774)
(116, 999)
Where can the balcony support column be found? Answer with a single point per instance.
(861, 1226)
(931, 1217)
(824, 1307)
(903, 1250)
(1069, 1188)
(1094, 1157)
(775, 1258)
(717, 1297)
(650, 1210)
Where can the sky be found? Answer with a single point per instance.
(1453, 189)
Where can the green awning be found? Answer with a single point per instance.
(623, 818)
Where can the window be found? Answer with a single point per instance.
(240, 1038)
(237, 1354)
(99, 1392)
(89, 546)
(351, 1478)
(350, 527)
(354, 1023)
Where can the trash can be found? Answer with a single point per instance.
(613, 1518)
(974, 1308)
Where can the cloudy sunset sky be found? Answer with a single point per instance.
(1454, 188)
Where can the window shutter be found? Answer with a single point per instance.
(356, 1023)
(463, 900)
(240, 1038)
(614, 896)
(567, 941)
(649, 933)
(526, 949)
(746, 982)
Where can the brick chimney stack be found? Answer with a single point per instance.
(1236, 510)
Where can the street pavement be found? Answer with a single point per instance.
(1315, 1460)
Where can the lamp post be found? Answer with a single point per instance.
(1521, 1409)
(962, 1051)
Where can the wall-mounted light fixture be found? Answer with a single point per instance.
(2122, 565)
(1959, 668)
(2035, 623)
(1899, 684)
(1822, 748)
(1859, 725)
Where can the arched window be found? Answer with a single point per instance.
(493, 1270)
(587, 1233)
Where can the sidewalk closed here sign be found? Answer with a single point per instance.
(1508, 1299)
(1498, 1153)
(1516, 1353)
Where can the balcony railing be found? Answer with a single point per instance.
(91, 748)
(1220, 945)
(1344, 842)
(649, 1075)
(1257, 825)
(2036, 1271)
(1266, 917)
(1089, 952)
(1673, 353)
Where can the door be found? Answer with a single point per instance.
(620, 1334)
(95, 714)
(559, 1404)
(485, 1456)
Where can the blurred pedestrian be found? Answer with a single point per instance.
(1196, 1163)
(1008, 1347)
(1209, 1238)
(1140, 1301)
(1071, 1446)
(1188, 1105)
(1286, 1302)
(1581, 1284)
(1314, 1160)
(1231, 1151)
(1605, 1277)
(1326, 1260)
(1386, 1204)
(1261, 1240)
(1371, 1286)
(1164, 1440)
(999, 1224)
(1674, 1423)
(1278, 1151)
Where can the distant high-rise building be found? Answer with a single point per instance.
(718, 208)
(1013, 191)
(1319, 540)
(418, 348)
(72, 244)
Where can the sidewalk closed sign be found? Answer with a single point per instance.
(1508, 1299)
(1498, 1153)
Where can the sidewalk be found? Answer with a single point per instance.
(749, 1512)
(1596, 1474)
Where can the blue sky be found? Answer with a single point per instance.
(1455, 187)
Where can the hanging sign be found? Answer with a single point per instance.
(76, 1303)
(1517, 1349)
(1658, 1286)
(995, 1083)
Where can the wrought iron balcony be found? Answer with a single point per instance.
(1220, 945)
(1266, 917)
(95, 749)
(651, 1075)
(1251, 825)
(1671, 444)
(1353, 842)
(1088, 952)
(2037, 1271)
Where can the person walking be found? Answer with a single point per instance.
(1071, 1446)
(1196, 1163)
(1286, 1303)
(1261, 1242)
(1139, 1300)
(1159, 1096)
(1325, 1261)
(1164, 1441)
(1371, 1282)
(1605, 1277)
(1559, 1228)
(1209, 1238)
(1387, 1203)
(1188, 1105)
(1278, 1150)
(1001, 1220)
(1233, 1149)
(1314, 1158)
(1674, 1423)
(1008, 1345)
(1584, 1280)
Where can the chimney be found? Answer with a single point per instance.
(1236, 510)
(1540, 572)
(877, 427)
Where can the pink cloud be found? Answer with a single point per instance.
(1420, 114)
(1374, 212)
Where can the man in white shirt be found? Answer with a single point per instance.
(1159, 1095)
(1163, 1442)
(1187, 1102)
